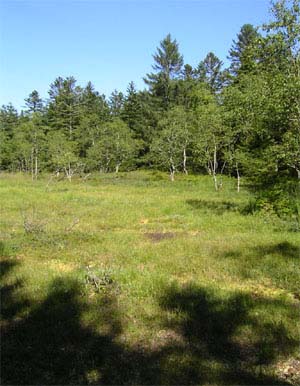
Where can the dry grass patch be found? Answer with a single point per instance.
(60, 266)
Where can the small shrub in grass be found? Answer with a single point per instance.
(33, 223)
(99, 280)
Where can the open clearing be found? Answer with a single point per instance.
(182, 287)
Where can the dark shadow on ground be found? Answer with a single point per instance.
(211, 351)
(51, 345)
(11, 304)
(216, 207)
(278, 262)
(285, 250)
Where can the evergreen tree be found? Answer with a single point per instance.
(168, 66)
(64, 106)
(210, 72)
(116, 102)
(34, 103)
(241, 53)
(8, 122)
(188, 72)
(133, 111)
(93, 112)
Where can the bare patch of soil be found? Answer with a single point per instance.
(156, 237)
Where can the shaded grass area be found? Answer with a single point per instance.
(193, 291)
(213, 206)
(279, 262)
(52, 346)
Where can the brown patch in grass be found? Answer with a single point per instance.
(289, 371)
(155, 237)
(195, 233)
(166, 338)
(60, 266)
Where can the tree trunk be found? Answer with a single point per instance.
(35, 162)
(214, 168)
(184, 161)
(68, 171)
(26, 169)
(238, 178)
(215, 181)
(172, 172)
(117, 168)
(32, 164)
(208, 169)
(36, 167)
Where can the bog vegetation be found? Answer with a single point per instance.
(114, 272)
(137, 280)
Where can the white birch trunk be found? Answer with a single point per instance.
(238, 178)
(184, 161)
(214, 168)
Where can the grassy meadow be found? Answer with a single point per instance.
(137, 280)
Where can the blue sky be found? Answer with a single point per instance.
(109, 42)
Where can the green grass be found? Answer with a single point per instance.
(192, 290)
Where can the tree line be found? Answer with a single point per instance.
(243, 120)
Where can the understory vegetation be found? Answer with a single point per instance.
(132, 279)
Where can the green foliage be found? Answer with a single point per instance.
(168, 65)
(114, 147)
(63, 154)
(8, 122)
(242, 121)
(173, 138)
(34, 103)
(242, 53)
(64, 106)
(209, 71)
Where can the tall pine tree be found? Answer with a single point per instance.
(167, 67)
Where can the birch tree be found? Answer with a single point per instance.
(209, 141)
(169, 147)
(114, 147)
(64, 155)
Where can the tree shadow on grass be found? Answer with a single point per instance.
(11, 304)
(285, 250)
(215, 348)
(277, 262)
(51, 344)
(216, 207)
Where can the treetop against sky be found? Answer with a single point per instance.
(109, 42)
